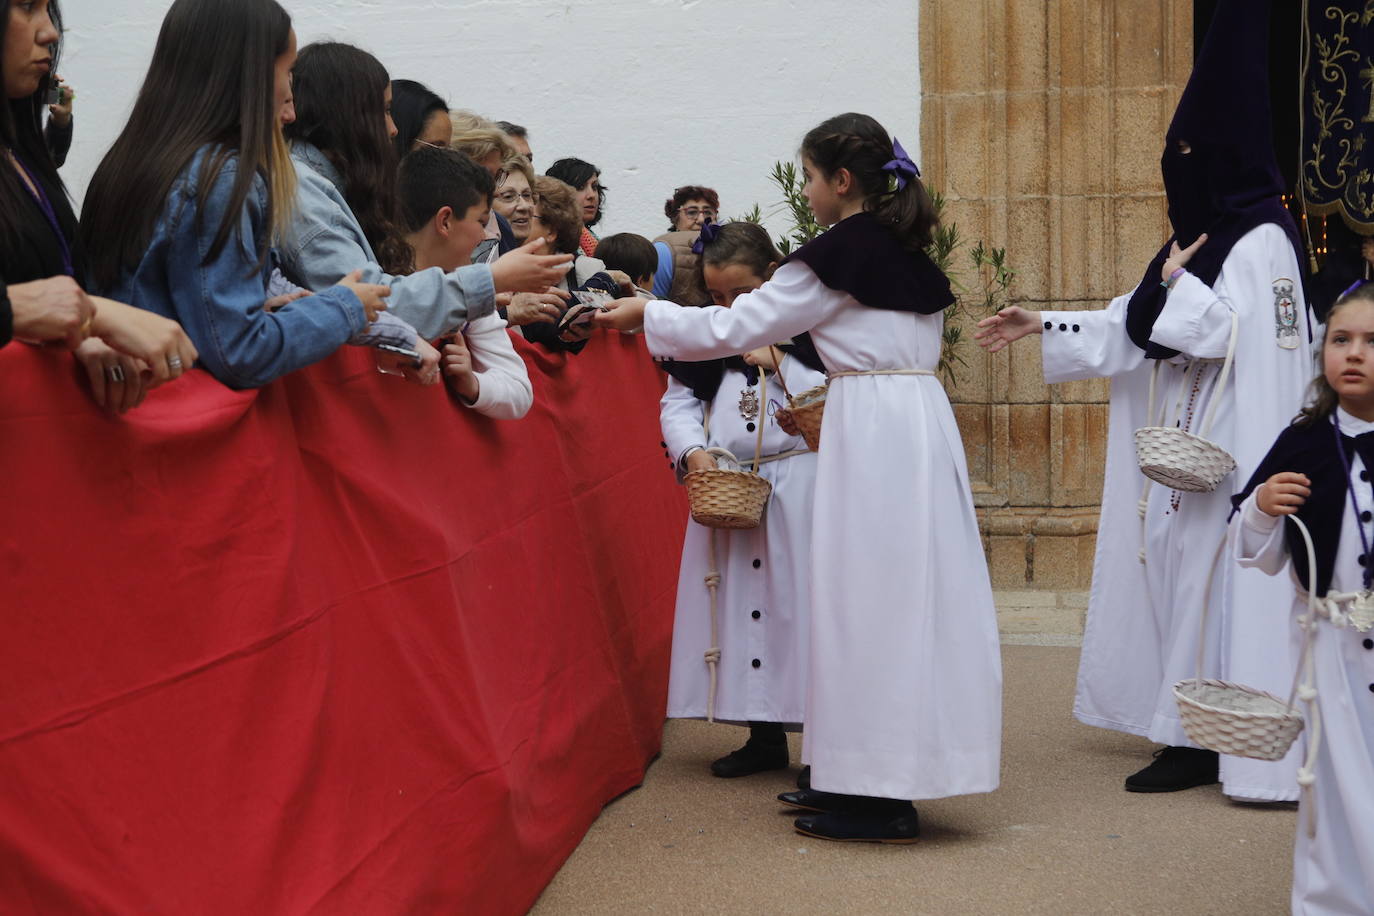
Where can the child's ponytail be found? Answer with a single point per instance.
(889, 181)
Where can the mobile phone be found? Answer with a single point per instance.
(53, 96)
(412, 355)
(579, 314)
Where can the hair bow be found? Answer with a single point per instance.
(901, 166)
(708, 235)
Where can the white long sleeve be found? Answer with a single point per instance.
(1197, 322)
(1090, 344)
(793, 301)
(504, 389)
(1257, 538)
(682, 417)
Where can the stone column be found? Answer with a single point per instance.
(1042, 124)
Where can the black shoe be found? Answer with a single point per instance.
(804, 778)
(898, 825)
(1176, 769)
(820, 802)
(754, 757)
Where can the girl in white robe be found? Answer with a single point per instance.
(1325, 480)
(763, 599)
(905, 682)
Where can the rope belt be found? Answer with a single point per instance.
(844, 372)
(766, 459)
(1331, 606)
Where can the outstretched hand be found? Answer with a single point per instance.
(1012, 323)
(622, 314)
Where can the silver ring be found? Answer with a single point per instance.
(116, 373)
(174, 363)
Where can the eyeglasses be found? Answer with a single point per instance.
(509, 197)
(694, 212)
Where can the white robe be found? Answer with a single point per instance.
(1142, 627)
(1333, 873)
(763, 603)
(905, 681)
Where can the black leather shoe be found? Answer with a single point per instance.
(1176, 769)
(888, 826)
(754, 757)
(814, 800)
(804, 778)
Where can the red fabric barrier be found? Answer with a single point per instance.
(332, 646)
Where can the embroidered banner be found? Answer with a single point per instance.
(1337, 159)
(336, 645)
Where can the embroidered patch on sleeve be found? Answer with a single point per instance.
(1285, 315)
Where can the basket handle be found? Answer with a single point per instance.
(763, 413)
(777, 362)
(1221, 379)
(1304, 683)
(1206, 609)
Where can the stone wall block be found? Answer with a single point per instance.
(1026, 53)
(1084, 154)
(1138, 124)
(1081, 57)
(1028, 244)
(1026, 378)
(1138, 42)
(1007, 561)
(1077, 453)
(1028, 475)
(968, 127)
(1026, 130)
(964, 63)
(1055, 561)
(975, 428)
(1142, 225)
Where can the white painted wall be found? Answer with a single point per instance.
(657, 93)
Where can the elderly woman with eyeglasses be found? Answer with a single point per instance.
(678, 278)
(691, 207)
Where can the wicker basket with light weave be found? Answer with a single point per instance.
(1181, 460)
(729, 497)
(807, 409)
(1243, 721)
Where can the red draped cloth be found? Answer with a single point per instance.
(336, 645)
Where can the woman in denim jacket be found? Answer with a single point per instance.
(202, 253)
(345, 206)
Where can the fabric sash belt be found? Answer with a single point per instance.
(778, 457)
(844, 372)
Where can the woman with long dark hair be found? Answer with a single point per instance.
(42, 264)
(346, 211)
(585, 179)
(421, 117)
(181, 214)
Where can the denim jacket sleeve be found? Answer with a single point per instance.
(220, 302)
(327, 243)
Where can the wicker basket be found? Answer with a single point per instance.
(808, 409)
(727, 497)
(1181, 460)
(1234, 719)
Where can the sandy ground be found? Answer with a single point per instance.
(1059, 837)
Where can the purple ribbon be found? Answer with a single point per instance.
(708, 235)
(901, 166)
